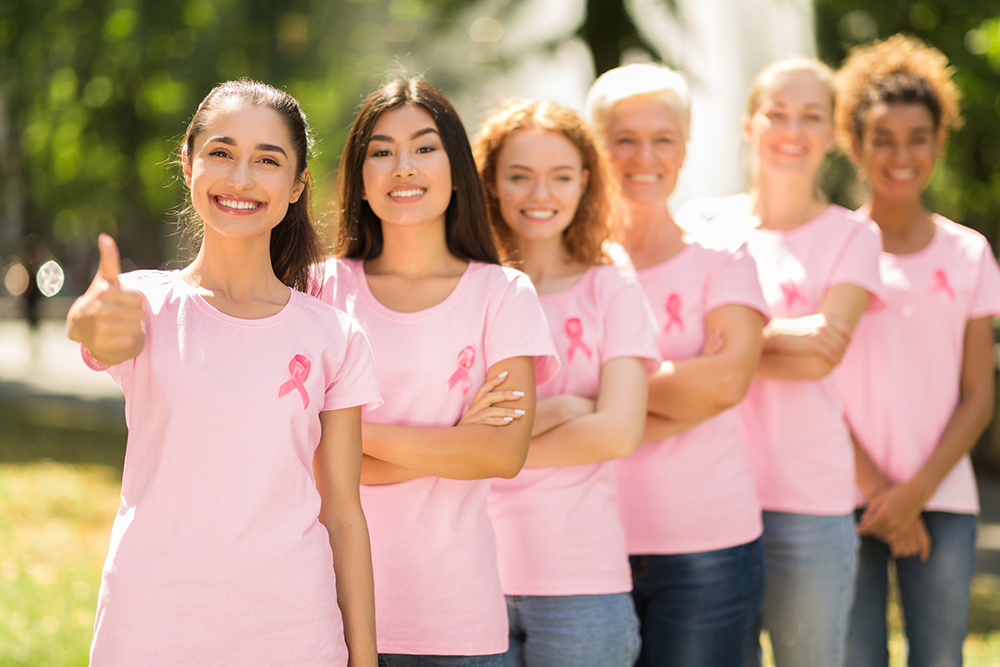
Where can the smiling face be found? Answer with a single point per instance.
(646, 142)
(539, 182)
(406, 171)
(242, 171)
(791, 131)
(898, 149)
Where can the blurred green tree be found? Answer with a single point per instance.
(966, 184)
(94, 95)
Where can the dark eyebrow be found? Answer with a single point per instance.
(416, 135)
(229, 141)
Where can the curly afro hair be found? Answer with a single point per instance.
(900, 69)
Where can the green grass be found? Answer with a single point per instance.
(60, 476)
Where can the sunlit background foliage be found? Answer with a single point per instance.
(94, 94)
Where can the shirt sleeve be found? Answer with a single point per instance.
(986, 293)
(734, 282)
(858, 263)
(629, 323)
(355, 381)
(518, 328)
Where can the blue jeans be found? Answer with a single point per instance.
(810, 564)
(572, 630)
(400, 660)
(935, 596)
(698, 608)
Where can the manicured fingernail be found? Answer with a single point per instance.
(518, 393)
(519, 412)
(502, 375)
(508, 419)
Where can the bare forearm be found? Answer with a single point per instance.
(784, 366)
(657, 428)
(355, 587)
(869, 479)
(459, 452)
(375, 472)
(592, 438)
(696, 389)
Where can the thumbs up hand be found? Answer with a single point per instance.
(108, 319)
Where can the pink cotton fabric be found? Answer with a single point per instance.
(558, 531)
(693, 492)
(900, 377)
(437, 587)
(799, 445)
(217, 555)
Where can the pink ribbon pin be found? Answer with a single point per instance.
(461, 375)
(674, 312)
(791, 292)
(941, 283)
(299, 368)
(574, 329)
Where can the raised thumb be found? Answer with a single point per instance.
(110, 265)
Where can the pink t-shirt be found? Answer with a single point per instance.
(217, 555)
(900, 377)
(693, 492)
(558, 531)
(437, 587)
(799, 445)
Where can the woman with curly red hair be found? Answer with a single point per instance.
(918, 380)
(563, 563)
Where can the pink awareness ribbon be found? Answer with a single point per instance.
(461, 375)
(574, 329)
(941, 283)
(674, 312)
(299, 368)
(791, 292)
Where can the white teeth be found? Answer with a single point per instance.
(539, 215)
(792, 150)
(241, 205)
(644, 178)
(407, 193)
(902, 174)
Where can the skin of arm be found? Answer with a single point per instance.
(612, 431)
(107, 319)
(555, 411)
(913, 540)
(465, 451)
(337, 466)
(896, 507)
(810, 347)
(692, 390)
(659, 428)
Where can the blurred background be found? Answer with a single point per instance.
(95, 95)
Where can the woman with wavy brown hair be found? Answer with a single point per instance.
(563, 563)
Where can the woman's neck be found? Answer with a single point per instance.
(415, 251)
(785, 203)
(236, 271)
(546, 262)
(651, 236)
(906, 225)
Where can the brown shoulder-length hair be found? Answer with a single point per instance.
(467, 229)
(295, 247)
(596, 218)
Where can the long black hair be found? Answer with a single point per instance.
(295, 245)
(467, 228)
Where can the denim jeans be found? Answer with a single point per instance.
(572, 631)
(810, 564)
(698, 608)
(934, 595)
(399, 660)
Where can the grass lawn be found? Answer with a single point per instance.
(60, 475)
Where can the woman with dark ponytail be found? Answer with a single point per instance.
(240, 538)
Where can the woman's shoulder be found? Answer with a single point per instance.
(155, 284)
(960, 238)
